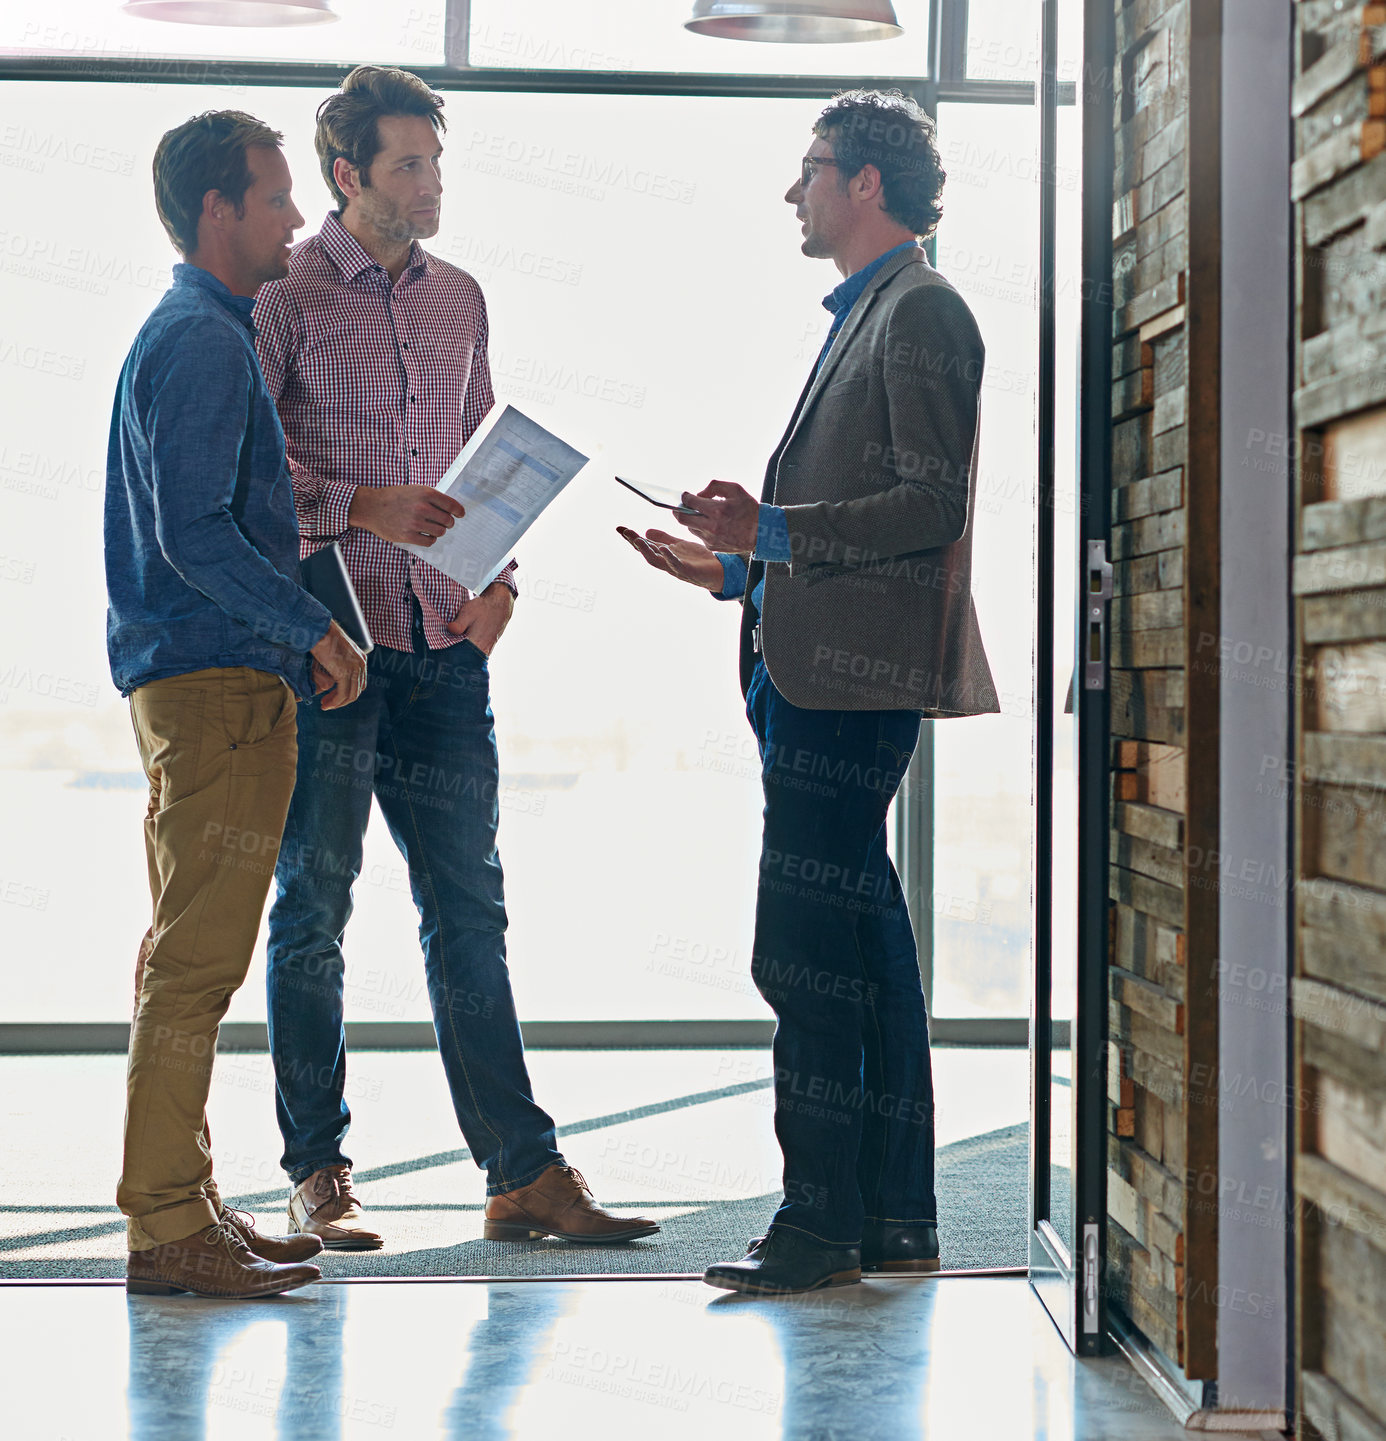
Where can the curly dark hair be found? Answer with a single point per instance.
(347, 120)
(887, 129)
(202, 154)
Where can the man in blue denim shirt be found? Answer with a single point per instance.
(212, 638)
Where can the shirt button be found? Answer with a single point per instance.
(413, 452)
(411, 400)
(406, 345)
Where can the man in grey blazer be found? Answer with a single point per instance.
(854, 572)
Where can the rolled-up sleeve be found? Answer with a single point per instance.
(734, 573)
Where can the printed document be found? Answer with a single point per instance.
(505, 476)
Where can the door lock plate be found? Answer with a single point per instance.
(1097, 591)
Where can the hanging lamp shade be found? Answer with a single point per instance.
(821, 22)
(233, 12)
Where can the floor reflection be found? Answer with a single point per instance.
(824, 1394)
(897, 1358)
(189, 1361)
(505, 1352)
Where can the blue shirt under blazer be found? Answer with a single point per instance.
(876, 475)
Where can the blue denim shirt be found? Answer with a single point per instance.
(201, 536)
(772, 533)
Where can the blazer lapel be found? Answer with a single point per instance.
(819, 382)
(767, 490)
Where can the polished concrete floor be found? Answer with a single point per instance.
(958, 1359)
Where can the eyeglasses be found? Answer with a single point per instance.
(806, 166)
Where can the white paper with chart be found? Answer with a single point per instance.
(505, 476)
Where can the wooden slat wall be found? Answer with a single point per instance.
(1339, 993)
(1162, 1072)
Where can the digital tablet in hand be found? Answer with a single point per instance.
(676, 506)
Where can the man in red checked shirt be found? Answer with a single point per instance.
(375, 353)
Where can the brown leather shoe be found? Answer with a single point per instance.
(286, 1250)
(560, 1204)
(325, 1206)
(213, 1262)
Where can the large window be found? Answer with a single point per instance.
(648, 301)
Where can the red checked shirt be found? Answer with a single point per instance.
(376, 384)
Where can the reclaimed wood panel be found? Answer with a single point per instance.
(1354, 456)
(1350, 687)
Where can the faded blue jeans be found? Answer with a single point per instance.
(421, 739)
(835, 958)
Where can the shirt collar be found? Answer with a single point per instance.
(843, 297)
(240, 306)
(348, 255)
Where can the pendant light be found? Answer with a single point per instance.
(267, 13)
(821, 22)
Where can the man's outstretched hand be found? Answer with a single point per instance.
(339, 668)
(687, 560)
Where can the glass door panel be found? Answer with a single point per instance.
(1068, 1007)
(983, 804)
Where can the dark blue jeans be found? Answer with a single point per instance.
(834, 956)
(422, 740)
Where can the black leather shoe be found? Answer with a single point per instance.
(784, 1262)
(889, 1250)
(899, 1250)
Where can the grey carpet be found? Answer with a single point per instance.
(982, 1195)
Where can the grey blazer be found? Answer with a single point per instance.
(877, 475)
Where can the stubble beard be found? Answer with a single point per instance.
(396, 226)
(276, 268)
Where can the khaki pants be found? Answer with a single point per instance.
(220, 749)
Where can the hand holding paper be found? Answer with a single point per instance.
(505, 476)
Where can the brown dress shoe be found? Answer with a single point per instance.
(325, 1206)
(214, 1262)
(560, 1204)
(286, 1250)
